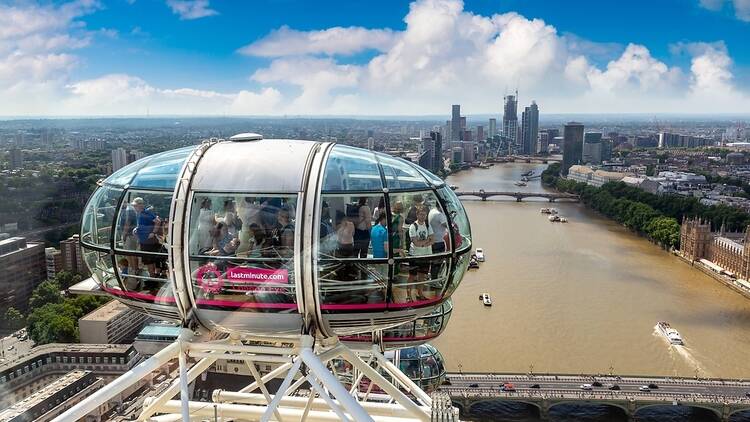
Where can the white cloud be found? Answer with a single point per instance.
(444, 55)
(118, 94)
(741, 7)
(191, 9)
(447, 55)
(286, 42)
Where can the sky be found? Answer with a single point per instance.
(361, 58)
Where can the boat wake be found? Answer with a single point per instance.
(683, 352)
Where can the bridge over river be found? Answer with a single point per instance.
(550, 196)
(474, 392)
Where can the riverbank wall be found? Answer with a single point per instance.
(723, 279)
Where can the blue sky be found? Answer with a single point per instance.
(273, 57)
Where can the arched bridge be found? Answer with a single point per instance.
(720, 400)
(550, 196)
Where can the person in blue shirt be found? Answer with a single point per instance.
(379, 238)
(148, 223)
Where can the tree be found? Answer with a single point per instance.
(47, 292)
(13, 319)
(65, 279)
(54, 323)
(88, 303)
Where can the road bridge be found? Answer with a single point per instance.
(723, 398)
(520, 196)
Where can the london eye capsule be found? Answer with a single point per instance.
(277, 237)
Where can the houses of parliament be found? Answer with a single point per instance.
(725, 249)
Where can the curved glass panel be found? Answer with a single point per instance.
(459, 269)
(432, 178)
(126, 174)
(162, 170)
(401, 174)
(419, 282)
(423, 227)
(351, 169)
(140, 283)
(459, 219)
(242, 251)
(352, 285)
(100, 265)
(96, 224)
(423, 364)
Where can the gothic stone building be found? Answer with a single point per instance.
(724, 249)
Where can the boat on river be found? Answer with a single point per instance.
(486, 299)
(670, 333)
(520, 183)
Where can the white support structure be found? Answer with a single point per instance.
(305, 365)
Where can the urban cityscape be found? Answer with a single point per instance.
(361, 234)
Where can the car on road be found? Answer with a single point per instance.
(596, 384)
(614, 387)
(644, 388)
(508, 387)
(587, 387)
(474, 385)
(653, 386)
(535, 386)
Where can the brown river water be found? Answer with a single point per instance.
(583, 297)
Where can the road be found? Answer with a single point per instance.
(570, 385)
(11, 347)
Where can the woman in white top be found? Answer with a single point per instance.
(229, 218)
(201, 239)
(249, 213)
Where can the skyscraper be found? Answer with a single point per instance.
(592, 147)
(572, 146)
(456, 123)
(24, 268)
(15, 156)
(437, 162)
(119, 158)
(480, 133)
(530, 128)
(510, 118)
(493, 127)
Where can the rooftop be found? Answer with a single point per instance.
(14, 244)
(65, 348)
(158, 330)
(106, 312)
(40, 396)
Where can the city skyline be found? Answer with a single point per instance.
(86, 58)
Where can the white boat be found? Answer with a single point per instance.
(480, 254)
(553, 210)
(520, 183)
(545, 211)
(562, 220)
(670, 333)
(486, 299)
(553, 218)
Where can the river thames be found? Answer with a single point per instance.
(583, 297)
